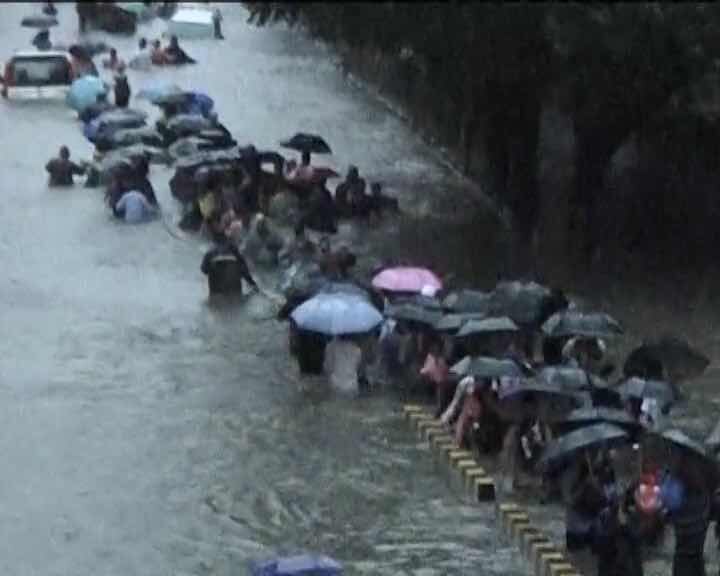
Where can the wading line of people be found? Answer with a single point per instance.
(516, 372)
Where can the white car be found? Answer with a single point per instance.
(191, 23)
(37, 75)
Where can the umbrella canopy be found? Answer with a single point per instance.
(566, 447)
(570, 378)
(112, 120)
(586, 416)
(406, 279)
(664, 392)
(184, 124)
(679, 439)
(674, 354)
(302, 565)
(523, 302)
(413, 313)
(85, 91)
(303, 142)
(487, 367)
(453, 322)
(156, 93)
(42, 22)
(428, 302)
(571, 323)
(487, 326)
(468, 301)
(337, 314)
(532, 399)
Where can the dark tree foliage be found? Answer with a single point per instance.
(620, 68)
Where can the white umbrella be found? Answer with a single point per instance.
(337, 314)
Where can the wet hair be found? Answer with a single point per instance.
(305, 157)
(156, 43)
(173, 40)
(113, 52)
(353, 172)
(64, 152)
(142, 43)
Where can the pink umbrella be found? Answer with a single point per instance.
(407, 279)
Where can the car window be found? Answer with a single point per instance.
(39, 71)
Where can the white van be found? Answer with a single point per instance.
(37, 75)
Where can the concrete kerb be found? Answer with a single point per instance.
(545, 558)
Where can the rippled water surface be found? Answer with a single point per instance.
(145, 432)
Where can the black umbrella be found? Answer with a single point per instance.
(427, 302)
(672, 354)
(524, 399)
(571, 323)
(525, 302)
(413, 313)
(664, 392)
(586, 416)
(566, 447)
(487, 367)
(303, 142)
(570, 378)
(453, 322)
(679, 439)
(41, 22)
(487, 326)
(468, 301)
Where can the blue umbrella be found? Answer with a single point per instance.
(337, 314)
(84, 92)
(200, 104)
(160, 91)
(303, 565)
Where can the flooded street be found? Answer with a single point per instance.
(144, 432)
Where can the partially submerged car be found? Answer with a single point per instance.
(37, 75)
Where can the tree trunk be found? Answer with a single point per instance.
(524, 185)
(592, 156)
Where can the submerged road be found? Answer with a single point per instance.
(143, 432)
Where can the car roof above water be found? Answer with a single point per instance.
(39, 54)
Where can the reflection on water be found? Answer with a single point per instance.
(147, 432)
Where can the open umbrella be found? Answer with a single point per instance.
(673, 354)
(523, 302)
(679, 439)
(571, 323)
(468, 301)
(586, 416)
(406, 279)
(303, 142)
(84, 92)
(664, 392)
(487, 367)
(313, 175)
(453, 322)
(570, 378)
(532, 398)
(413, 313)
(566, 447)
(41, 22)
(337, 314)
(487, 326)
(428, 302)
(302, 565)
(157, 92)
